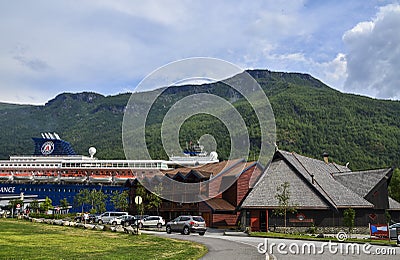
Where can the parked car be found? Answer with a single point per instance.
(80, 218)
(128, 220)
(107, 216)
(392, 230)
(187, 224)
(141, 216)
(121, 220)
(150, 221)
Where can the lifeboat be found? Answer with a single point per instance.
(122, 179)
(6, 176)
(23, 176)
(46, 176)
(75, 177)
(100, 178)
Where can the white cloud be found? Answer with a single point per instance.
(373, 57)
(333, 73)
(51, 47)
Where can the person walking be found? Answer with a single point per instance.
(86, 217)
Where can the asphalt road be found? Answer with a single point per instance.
(218, 249)
(322, 251)
(243, 247)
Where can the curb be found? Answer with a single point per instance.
(236, 234)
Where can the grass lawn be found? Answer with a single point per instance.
(20, 239)
(307, 237)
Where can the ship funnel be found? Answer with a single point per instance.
(57, 136)
(51, 144)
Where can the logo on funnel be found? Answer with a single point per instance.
(47, 148)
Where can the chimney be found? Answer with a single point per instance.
(312, 179)
(326, 157)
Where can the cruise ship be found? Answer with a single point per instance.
(57, 172)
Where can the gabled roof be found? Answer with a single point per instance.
(311, 184)
(218, 204)
(205, 170)
(185, 174)
(255, 176)
(362, 182)
(393, 204)
(263, 194)
(338, 195)
(225, 169)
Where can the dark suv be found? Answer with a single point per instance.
(187, 224)
(80, 218)
(127, 220)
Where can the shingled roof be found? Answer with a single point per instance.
(263, 194)
(362, 182)
(311, 184)
(218, 204)
(393, 205)
(206, 170)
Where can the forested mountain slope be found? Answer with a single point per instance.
(310, 117)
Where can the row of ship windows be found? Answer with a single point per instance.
(114, 165)
(29, 165)
(61, 190)
(69, 165)
(96, 172)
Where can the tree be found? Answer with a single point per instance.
(387, 216)
(154, 199)
(64, 203)
(14, 203)
(394, 187)
(283, 196)
(34, 205)
(82, 198)
(140, 191)
(46, 205)
(97, 200)
(349, 216)
(120, 200)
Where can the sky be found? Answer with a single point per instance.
(50, 47)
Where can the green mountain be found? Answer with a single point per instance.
(311, 118)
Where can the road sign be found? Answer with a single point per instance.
(18, 206)
(138, 200)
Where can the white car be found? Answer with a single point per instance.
(106, 217)
(392, 231)
(151, 221)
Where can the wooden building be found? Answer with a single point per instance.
(231, 182)
(320, 191)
